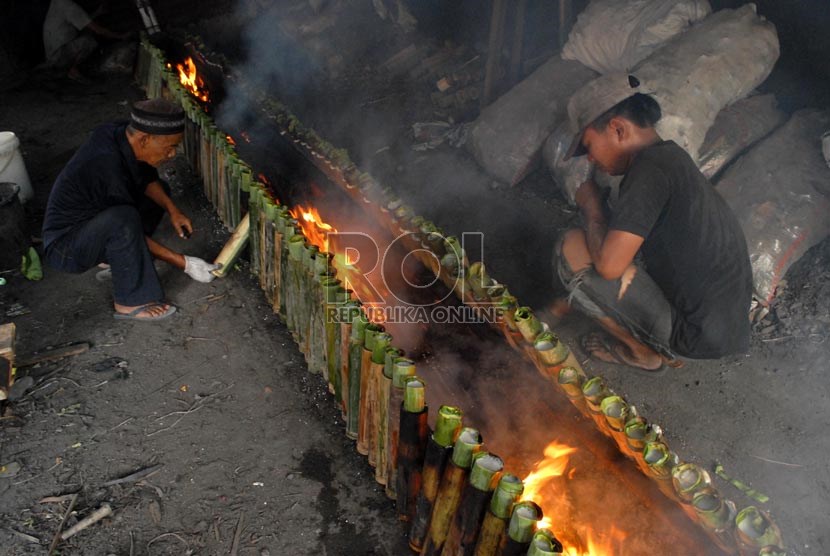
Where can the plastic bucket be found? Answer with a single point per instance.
(12, 167)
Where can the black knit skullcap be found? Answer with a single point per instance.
(157, 116)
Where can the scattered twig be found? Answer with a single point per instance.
(56, 499)
(122, 423)
(237, 534)
(740, 485)
(24, 536)
(137, 476)
(57, 538)
(132, 544)
(148, 484)
(216, 529)
(195, 406)
(96, 516)
(164, 535)
(776, 462)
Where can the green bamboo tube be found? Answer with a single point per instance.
(545, 543)
(466, 524)
(449, 493)
(527, 323)
(526, 514)
(279, 248)
(494, 526)
(333, 338)
(772, 551)
(356, 341)
(754, 530)
(717, 515)
(595, 390)
(401, 369)
(551, 354)
(571, 380)
(688, 479)
(254, 200)
(616, 412)
(367, 393)
(478, 281)
(346, 315)
(660, 461)
(382, 433)
(330, 287)
(267, 280)
(414, 432)
(382, 341)
(439, 449)
(296, 245)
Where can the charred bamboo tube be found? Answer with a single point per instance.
(439, 448)
(717, 515)
(617, 411)
(545, 543)
(754, 530)
(523, 520)
(493, 528)
(414, 431)
(551, 354)
(384, 399)
(688, 479)
(449, 493)
(382, 341)
(528, 325)
(595, 390)
(571, 380)
(466, 524)
(660, 461)
(267, 247)
(366, 391)
(357, 339)
(401, 369)
(279, 253)
(346, 317)
(508, 307)
(229, 253)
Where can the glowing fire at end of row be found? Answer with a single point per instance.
(191, 80)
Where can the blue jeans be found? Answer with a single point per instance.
(115, 236)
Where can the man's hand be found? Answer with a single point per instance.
(198, 269)
(181, 223)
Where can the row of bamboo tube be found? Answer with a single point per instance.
(453, 493)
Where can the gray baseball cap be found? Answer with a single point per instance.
(593, 100)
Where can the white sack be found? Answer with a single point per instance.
(507, 137)
(777, 190)
(613, 35)
(713, 64)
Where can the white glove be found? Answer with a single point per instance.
(198, 269)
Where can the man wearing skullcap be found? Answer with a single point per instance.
(108, 200)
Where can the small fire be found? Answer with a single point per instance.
(314, 228)
(193, 82)
(230, 139)
(264, 179)
(553, 465)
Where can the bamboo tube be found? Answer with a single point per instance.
(688, 479)
(595, 390)
(294, 286)
(266, 275)
(544, 543)
(367, 393)
(414, 431)
(551, 354)
(616, 412)
(356, 341)
(384, 399)
(254, 199)
(478, 281)
(754, 530)
(401, 369)
(449, 493)
(346, 316)
(527, 324)
(466, 524)
(333, 340)
(660, 461)
(382, 341)
(330, 288)
(521, 528)
(772, 551)
(717, 515)
(229, 253)
(279, 248)
(493, 528)
(571, 380)
(439, 449)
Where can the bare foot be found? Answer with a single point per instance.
(147, 312)
(599, 346)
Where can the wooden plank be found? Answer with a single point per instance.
(53, 354)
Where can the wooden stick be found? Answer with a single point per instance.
(96, 516)
(237, 534)
(52, 354)
(233, 247)
(56, 539)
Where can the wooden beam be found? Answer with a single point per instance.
(494, 47)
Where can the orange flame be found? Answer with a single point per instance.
(314, 228)
(230, 139)
(192, 81)
(552, 465)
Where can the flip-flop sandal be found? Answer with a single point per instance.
(104, 275)
(611, 347)
(133, 315)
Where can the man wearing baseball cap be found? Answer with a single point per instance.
(108, 200)
(665, 272)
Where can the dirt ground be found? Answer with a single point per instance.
(221, 399)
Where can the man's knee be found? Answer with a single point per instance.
(574, 250)
(123, 224)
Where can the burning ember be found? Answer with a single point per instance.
(230, 139)
(190, 79)
(539, 487)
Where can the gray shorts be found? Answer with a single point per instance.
(643, 310)
(77, 49)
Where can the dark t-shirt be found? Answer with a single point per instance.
(694, 249)
(102, 174)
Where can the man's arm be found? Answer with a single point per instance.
(181, 223)
(612, 252)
